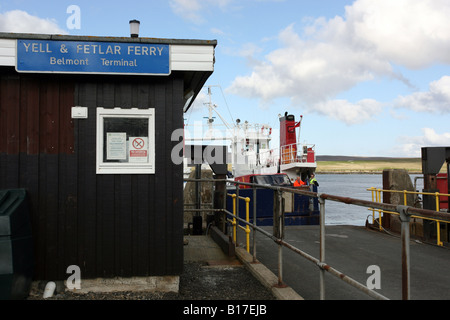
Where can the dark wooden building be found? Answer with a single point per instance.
(85, 128)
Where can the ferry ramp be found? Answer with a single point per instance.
(352, 250)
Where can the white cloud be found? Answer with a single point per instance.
(412, 33)
(193, 10)
(249, 50)
(349, 113)
(436, 100)
(308, 71)
(337, 54)
(411, 146)
(200, 101)
(188, 9)
(22, 22)
(217, 31)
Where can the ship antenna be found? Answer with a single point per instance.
(299, 129)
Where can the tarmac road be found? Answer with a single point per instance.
(351, 250)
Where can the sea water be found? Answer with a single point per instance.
(352, 186)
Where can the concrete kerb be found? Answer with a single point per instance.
(266, 277)
(134, 284)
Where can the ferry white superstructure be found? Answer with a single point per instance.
(249, 146)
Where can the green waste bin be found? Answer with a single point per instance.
(16, 245)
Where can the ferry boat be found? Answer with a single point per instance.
(292, 158)
(298, 209)
(251, 159)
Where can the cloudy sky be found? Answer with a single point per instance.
(371, 78)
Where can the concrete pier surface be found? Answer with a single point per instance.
(352, 250)
(210, 274)
(204, 249)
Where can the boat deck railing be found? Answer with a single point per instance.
(297, 153)
(405, 212)
(289, 154)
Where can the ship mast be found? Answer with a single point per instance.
(212, 107)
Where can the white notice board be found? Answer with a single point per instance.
(116, 146)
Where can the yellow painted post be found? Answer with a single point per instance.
(373, 200)
(405, 202)
(437, 201)
(438, 224)
(379, 211)
(247, 218)
(439, 242)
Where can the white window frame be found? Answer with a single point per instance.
(125, 168)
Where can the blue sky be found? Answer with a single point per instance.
(371, 78)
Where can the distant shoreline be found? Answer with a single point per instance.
(360, 165)
(325, 158)
(359, 172)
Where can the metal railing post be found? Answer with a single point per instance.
(225, 216)
(405, 212)
(438, 224)
(198, 176)
(254, 225)
(281, 235)
(237, 215)
(234, 218)
(405, 218)
(247, 219)
(379, 211)
(373, 189)
(322, 247)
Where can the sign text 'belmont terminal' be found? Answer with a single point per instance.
(92, 57)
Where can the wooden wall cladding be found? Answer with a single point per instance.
(108, 225)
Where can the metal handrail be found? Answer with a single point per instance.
(247, 219)
(404, 211)
(293, 153)
(377, 198)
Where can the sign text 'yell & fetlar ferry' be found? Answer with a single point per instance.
(92, 57)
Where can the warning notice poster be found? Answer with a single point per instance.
(116, 146)
(138, 149)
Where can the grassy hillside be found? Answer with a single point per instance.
(366, 165)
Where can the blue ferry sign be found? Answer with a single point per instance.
(92, 57)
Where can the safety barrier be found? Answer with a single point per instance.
(247, 219)
(297, 152)
(405, 213)
(376, 197)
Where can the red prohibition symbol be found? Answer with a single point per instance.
(138, 143)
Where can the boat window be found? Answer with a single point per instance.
(273, 180)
